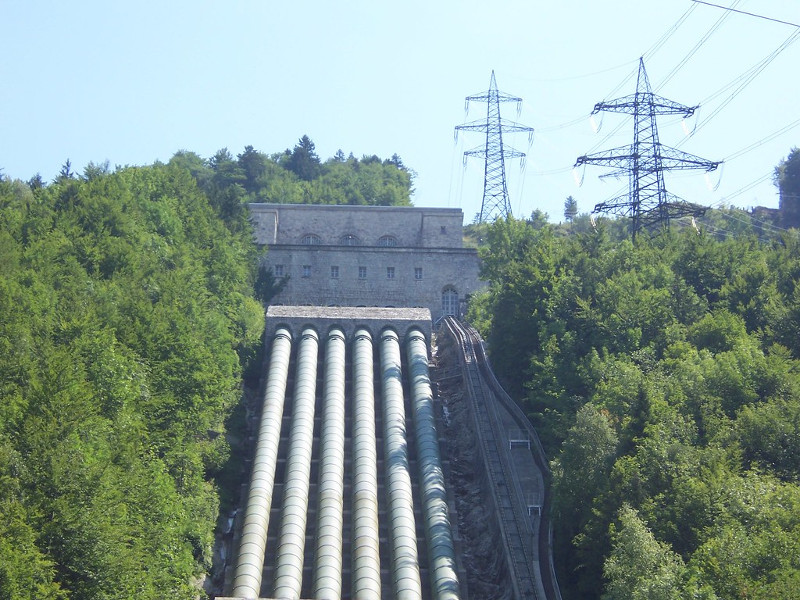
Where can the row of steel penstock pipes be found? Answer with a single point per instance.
(365, 560)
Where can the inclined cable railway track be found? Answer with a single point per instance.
(546, 568)
(514, 523)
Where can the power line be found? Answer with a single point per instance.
(769, 228)
(697, 46)
(749, 14)
(657, 45)
(552, 171)
(716, 231)
(561, 126)
(574, 77)
(668, 34)
(745, 188)
(746, 78)
(749, 220)
(746, 74)
(762, 141)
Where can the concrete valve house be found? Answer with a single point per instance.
(368, 256)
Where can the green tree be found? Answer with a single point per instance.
(195, 164)
(36, 182)
(753, 550)
(787, 180)
(769, 433)
(396, 161)
(65, 172)
(226, 170)
(26, 572)
(582, 468)
(570, 209)
(642, 568)
(93, 170)
(303, 160)
(520, 262)
(254, 165)
(580, 474)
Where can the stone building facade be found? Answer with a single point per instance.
(380, 256)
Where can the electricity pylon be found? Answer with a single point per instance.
(495, 191)
(648, 203)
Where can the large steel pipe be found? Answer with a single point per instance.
(366, 567)
(328, 555)
(438, 533)
(402, 527)
(249, 566)
(291, 547)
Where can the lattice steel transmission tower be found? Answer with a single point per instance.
(648, 203)
(495, 190)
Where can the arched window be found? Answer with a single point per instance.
(311, 239)
(449, 301)
(387, 241)
(349, 240)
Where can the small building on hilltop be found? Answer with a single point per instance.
(384, 256)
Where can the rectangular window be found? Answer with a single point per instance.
(278, 270)
(334, 272)
(362, 272)
(417, 272)
(306, 270)
(389, 272)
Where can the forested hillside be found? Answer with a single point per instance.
(664, 379)
(128, 317)
(124, 299)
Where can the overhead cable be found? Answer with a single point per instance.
(696, 47)
(768, 227)
(749, 14)
(650, 51)
(746, 78)
(657, 45)
(574, 77)
(763, 141)
(667, 34)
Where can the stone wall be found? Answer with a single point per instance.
(427, 263)
(409, 226)
(333, 276)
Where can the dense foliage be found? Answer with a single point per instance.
(787, 179)
(298, 176)
(128, 318)
(664, 377)
(124, 299)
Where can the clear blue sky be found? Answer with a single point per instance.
(133, 82)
